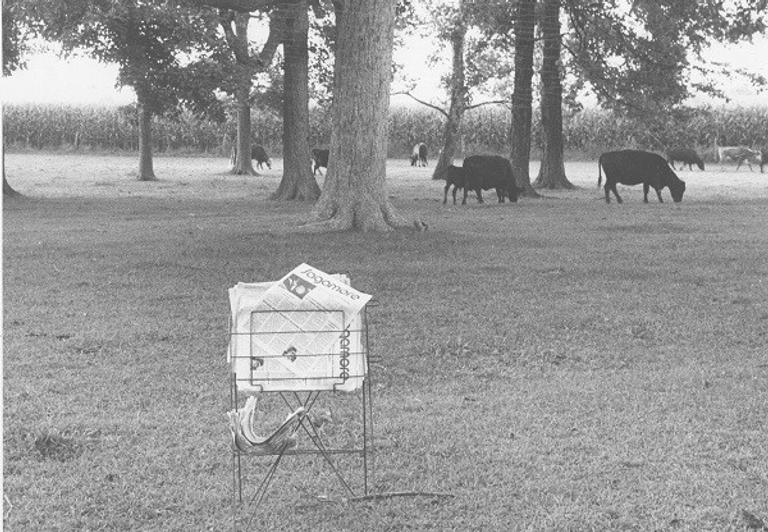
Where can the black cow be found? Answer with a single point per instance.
(259, 154)
(454, 175)
(419, 155)
(484, 172)
(320, 159)
(632, 167)
(685, 156)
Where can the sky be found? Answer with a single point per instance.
(81, 80)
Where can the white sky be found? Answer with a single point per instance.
(50, 79)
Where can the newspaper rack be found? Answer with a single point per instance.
(338, 374)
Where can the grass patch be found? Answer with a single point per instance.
(558, 364)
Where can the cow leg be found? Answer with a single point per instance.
(479, 195)
(500, 195)
(464, 201)
(646, 188)
(658, 193)
(454, 194)
(607, 190)
(445, 195)
(615, 193)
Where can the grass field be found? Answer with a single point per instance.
(558, 364)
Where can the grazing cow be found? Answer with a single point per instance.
(454, 175)
(632, 167)
(419, 155)
(484, 172)
(685, 156)
(259, 154)
(320, 159)
(739, 154)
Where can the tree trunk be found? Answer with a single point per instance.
(243, 164)
(239, 37)
(146, 171)
(354, 193)
(452, 131)
(298, 183)
(522, 97)
(552, 170)
(8, 190)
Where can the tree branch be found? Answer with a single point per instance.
(422, 102)
(475, 105)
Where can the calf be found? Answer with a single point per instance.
(319, 159)
(685, 156)
(454, 175)
(259, 154)
(632, 167)
(738, 154)
(484, 172)
(419, 155)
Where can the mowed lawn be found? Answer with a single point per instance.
(557, 364)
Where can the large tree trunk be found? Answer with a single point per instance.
(552, 170)
(354, 193)
(298, 183)
(522, 97)
(452, 131)
(146, 170)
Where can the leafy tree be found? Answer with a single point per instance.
(145, 41)
(241, 67)
(638, 61)
(13, 58)
(452, 24)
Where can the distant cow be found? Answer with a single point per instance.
(454, 175)
(685, 156)
(632, 167)
(319, 159)
(739, 154)
(763, 158)
(259, 154)
(484, 172)
(419, 155)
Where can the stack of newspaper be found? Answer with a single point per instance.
(303, 332)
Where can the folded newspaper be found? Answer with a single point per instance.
(242, 427)
(303, 332)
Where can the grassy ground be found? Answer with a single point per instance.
(559, 364)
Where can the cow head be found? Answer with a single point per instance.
(677, 189)
(514, 192)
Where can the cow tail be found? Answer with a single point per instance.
(599, 170)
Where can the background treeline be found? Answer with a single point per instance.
(485, 130)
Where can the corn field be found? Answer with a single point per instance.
(484, 130)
